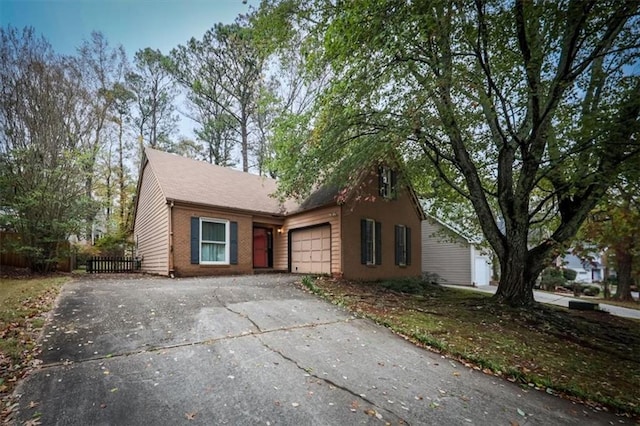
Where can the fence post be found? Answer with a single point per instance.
(102, 264)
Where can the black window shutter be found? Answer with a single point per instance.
(397, 244)
(408, 230)
(363, 241)
(233, 244)
(378, 243)
(195, 240)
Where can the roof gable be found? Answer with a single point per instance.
(191, 181)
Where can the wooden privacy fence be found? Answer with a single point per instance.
(104, 265)
(9, 256)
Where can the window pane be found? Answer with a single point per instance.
(213, 231)
(402, 243)
(370, 240)
(213, 252)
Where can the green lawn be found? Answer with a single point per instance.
(23, 303)
(591, 356)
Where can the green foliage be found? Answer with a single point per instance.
(84, 252)
(309, 282)
(613, 229)
(222, 74)
(155, 91)
(112, 244)
(520, 113)
(569, 274)
(552, 278)
(410, 285)
(590, 290)
(42, 161)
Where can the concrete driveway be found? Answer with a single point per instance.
(253, 350)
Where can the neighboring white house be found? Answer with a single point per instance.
(452, 256)
(588, 270)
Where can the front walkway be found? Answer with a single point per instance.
(562, 300)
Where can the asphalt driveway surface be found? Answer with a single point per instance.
(253, 350)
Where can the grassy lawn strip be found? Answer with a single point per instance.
(622, 304)
(589, 356)
(23, 305)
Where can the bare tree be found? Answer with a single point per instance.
(43, 126)
(102, 67)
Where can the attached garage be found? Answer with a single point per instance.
(311, 250)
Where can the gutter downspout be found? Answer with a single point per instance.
(171, 270)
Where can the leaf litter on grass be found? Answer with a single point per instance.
(588, 356)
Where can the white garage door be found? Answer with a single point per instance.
(311, 251)
(482, 271)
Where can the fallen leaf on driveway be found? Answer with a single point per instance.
(190, 416)
(295, 404)
(32, 422)
(33, 404)
(514, 423)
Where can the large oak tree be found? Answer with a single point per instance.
(523, 110)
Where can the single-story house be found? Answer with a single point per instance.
(194, 218)
(588, 269)
(451, 257)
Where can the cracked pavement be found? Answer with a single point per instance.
(253, 350)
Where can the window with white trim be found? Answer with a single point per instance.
(214, 241)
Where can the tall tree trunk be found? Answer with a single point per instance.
(121, 178)
(515, 287)
(623, 266)
(245, 145)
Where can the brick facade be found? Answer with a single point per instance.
(399, 211)
(181, 226)
(163, 222)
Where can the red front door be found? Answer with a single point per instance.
(260, 248)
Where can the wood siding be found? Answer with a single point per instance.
(389, 213)
(327, 215)
(151, 228)
(447, 255)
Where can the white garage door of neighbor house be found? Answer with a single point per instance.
(311, 251)
(482, 271)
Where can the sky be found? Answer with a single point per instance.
(136, 24)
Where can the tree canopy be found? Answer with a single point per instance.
(522, 112)
(43, 159)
